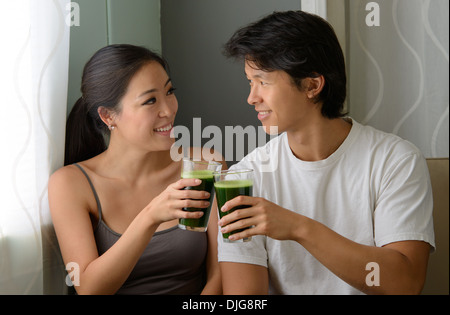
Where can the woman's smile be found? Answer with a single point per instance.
(164, 130)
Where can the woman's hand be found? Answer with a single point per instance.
(261, 218)
(169, 204)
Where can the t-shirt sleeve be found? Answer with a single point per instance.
(252, 252)
(405, 203)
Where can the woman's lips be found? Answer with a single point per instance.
(164, 130)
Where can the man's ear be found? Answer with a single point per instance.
(314, 86)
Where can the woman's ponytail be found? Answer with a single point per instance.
(84, 139)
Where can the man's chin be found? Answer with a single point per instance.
(271, 130)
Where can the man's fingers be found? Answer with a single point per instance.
(238, 201)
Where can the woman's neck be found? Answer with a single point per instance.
(134, 166)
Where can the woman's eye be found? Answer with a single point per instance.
(171, 91)
(150, 101)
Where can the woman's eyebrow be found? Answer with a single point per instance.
(154, 90)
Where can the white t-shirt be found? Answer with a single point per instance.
(374, 190)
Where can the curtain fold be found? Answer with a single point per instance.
(399, 70)
(34, 62)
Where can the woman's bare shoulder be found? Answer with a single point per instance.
(68, 185)
(69, 174)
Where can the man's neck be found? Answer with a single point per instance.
(319, 140)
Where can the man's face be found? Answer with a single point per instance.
(278, 101)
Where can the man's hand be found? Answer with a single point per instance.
(261, 218)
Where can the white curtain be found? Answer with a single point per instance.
(34, 60)
(399, 69)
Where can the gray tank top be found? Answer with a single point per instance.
(174, 261)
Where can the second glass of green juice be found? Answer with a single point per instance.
(229, 185)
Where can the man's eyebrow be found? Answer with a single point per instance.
(154, 90)
(257, 76)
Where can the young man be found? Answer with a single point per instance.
(341, 208)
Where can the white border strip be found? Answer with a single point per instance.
(318, 7)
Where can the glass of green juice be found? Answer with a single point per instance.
(204, 171)
(228, 185)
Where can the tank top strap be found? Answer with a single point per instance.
(99, 206)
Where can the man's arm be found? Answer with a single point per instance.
(402, 265)
(244, 279)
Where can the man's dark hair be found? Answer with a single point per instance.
(301, 44)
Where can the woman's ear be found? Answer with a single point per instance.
(107, 116)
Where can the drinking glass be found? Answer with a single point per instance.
(204, 171)
(228, 185)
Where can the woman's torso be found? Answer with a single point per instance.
(173, 261)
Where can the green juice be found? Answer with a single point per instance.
(207, 184)
(230, 189)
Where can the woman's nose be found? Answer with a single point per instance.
(168, 109)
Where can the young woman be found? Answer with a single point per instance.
(115, 208)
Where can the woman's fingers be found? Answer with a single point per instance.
(176, 198)
(181, 193)
(192, 194)
(189, 215)
(186, 182)
(190, 203)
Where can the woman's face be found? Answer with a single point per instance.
(148, 110)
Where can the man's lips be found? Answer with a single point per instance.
(264, 114)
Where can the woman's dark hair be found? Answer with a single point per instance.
(105, 81)
(301, 44)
